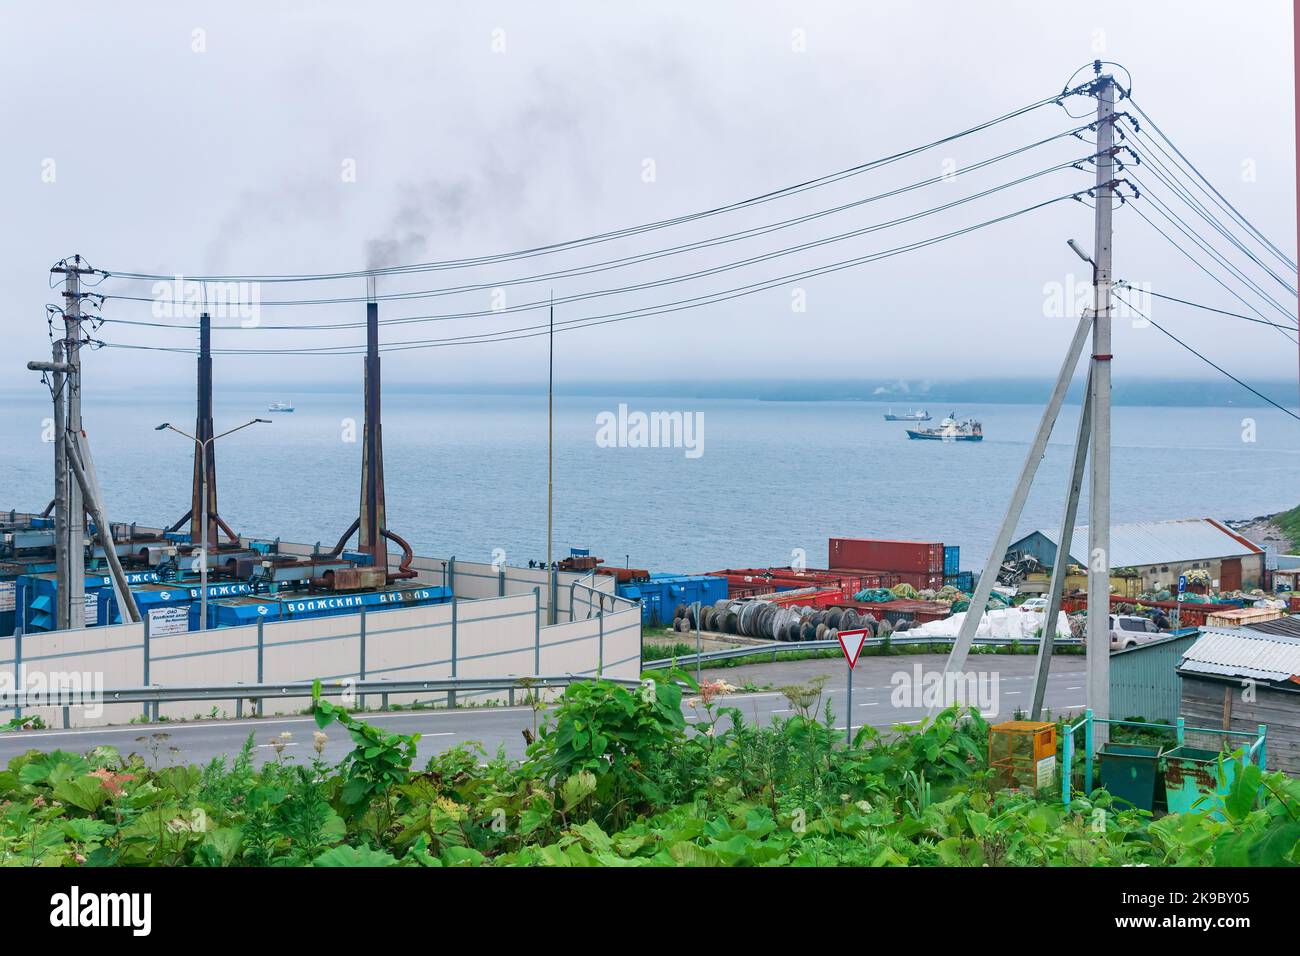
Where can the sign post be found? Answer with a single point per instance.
(1178, 608)
(851, 644)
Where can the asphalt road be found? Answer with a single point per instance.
(1005, 684)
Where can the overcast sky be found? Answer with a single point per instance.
(288, 138)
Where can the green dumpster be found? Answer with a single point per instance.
(1128, 772)
(1191, 775)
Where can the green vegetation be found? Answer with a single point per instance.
(1289, 522)
(615, 777)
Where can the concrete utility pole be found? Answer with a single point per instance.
(1094, 433)
(1047, 642)
(83, 469)
(1098, 682)
(72, 543)
(62, 555)
(550, 469)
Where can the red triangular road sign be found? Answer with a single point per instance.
(851, 644)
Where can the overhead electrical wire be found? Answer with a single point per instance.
(1182, 226)
(635, 259)
(1177, 245)
(1208, 361)
(1170, 178)
(640, 286)
(1220, 198)
(1206, 308)
(614, 234)
(590, 321)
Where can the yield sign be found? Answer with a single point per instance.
(851, 644)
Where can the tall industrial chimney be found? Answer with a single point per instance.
(370, 537)
(203, 431)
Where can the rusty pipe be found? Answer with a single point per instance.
(404, 570)
(352, 528)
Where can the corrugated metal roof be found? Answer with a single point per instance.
(1288, 626)
(1241, 652)
(1161, 542)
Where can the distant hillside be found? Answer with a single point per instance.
(1280, 531)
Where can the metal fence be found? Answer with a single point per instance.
(773, 649)
(446, 690)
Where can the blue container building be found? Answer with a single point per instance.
(250, 608)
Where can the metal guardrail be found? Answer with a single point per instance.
(156, 695)
(900, 640)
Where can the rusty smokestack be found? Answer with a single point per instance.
(372, 524)
(203, 431)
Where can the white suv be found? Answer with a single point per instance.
(1127, 630)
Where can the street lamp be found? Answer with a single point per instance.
(203, 534)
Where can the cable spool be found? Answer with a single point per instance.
(884, 628)
(807, 632)
(819, 632)
(731, 623)
(775, 622)
(793, 631)
(850, 621)
(833, 618)
(679, 611)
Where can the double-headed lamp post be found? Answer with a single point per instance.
(203, 533)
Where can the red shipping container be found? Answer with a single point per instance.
(885, 555)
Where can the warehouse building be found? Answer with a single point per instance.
(1239, 678)
(1160, 551)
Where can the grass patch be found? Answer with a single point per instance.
(1289, 522)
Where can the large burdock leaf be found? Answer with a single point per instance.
(577, 788)
(354, 856)
(84, 793)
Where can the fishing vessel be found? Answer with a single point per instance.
(915, 415)
(280, 407)
(950, 430)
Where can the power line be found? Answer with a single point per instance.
(640, 286)
(1222, 199)
(1218, 368)
(1170, 179)
(1207, 308)
(1182, 226)
(1173, 242)
(609, 318)
(618, 233)
(635, 259)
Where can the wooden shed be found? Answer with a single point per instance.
(1239, 678)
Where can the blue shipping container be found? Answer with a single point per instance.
(661, 595)
(951, 560)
